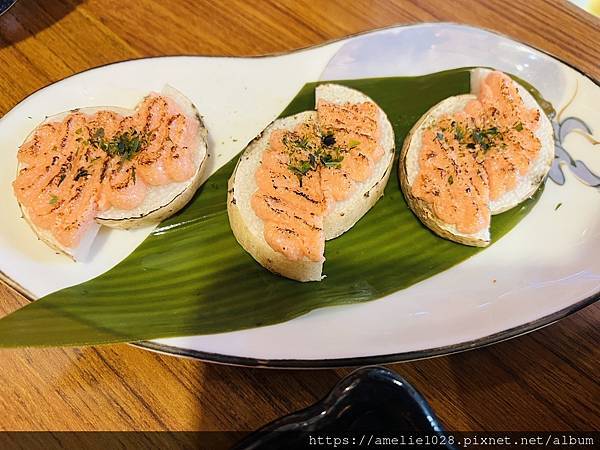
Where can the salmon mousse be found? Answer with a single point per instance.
(476, 155)
(309, 178)
(109, 166)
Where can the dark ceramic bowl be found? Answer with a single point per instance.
(5, 5)
(370, 402)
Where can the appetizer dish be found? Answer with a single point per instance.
(309, 178)
(472, 156)
(395, 290)
(122, 168)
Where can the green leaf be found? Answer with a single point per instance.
(190, 276)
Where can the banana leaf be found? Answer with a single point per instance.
(190, 276)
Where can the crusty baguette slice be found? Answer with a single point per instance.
(346, 213)
(245, 224)
(160, 202)
(408, 166)
(528, 184)
(164, 201)
(79, 252)
(248, 228)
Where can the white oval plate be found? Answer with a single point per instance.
(544, 269)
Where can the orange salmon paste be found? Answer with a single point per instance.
(304, 171)
(474, 156)
(72, 169)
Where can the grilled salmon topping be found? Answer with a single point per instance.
(304, 171)
(476, 155)
(75, 168)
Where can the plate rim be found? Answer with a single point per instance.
(358, 361)
(390, 358)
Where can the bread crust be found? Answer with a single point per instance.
(157, 211)
(246, 226)
(347, 213)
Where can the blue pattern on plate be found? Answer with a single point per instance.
(561, 155)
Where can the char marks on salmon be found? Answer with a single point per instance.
(75, 168)
(476, 155)
(303, 172)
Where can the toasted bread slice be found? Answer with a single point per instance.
(528, 184)
(164, 201)
(339, 218)
(245, 224)
(346, 213)
(408, 166)
(160, 201)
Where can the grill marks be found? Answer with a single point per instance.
(179, 159)
(450, 179)
(155, 120)
(356, 128)
(292, 213)
(500, 94)
(67, 177)
(293, 207)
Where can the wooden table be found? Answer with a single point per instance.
(547, 380)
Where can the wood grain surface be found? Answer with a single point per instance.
(547, 380)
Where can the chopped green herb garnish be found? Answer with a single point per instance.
(519, 126)
(328, 160)
(439, 136)
(484, 137)
(557, 206)
(353, 143)
(301, 169)
(126, 145)
(306, 154)
(78, 131)
(302, 143)
(97, 138)
(53, 199)
(332, 164)
(450, 179)
(459, 134)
